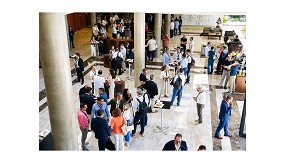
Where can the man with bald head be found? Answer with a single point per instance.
(200, 99)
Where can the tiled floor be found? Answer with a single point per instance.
(178, 119)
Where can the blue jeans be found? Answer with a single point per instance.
(210, 66)
(128, 136)
(185, 71)
(222, 124)
(142, 118)
(176, 92)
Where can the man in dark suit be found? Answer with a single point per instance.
(117, 102)
(83, 89)
(152, 90)
(79, 68)
(71, 37)
(224, 115)
(87, 99)
(101, 129)
(176, 145)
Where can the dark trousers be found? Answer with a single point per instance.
(188, 73)
(145, 35)
(150, 55)
(92, 87)
(199, 111)
(184, 47)
(118, 66)
(102, 144)
(79, 75)
(179, 27)
(139, 117)
(114, 35)
(219, 66)
(171, 33)
(222, 124)
(71, 42)
(113, 64)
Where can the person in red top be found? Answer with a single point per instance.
(146, 30)
(116, 123)
(165, 41)
(83, 125)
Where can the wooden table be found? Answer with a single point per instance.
(217, 34)
(240, 84)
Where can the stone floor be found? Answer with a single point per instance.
(177, 119)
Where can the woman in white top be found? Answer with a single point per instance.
(111, 81)
(127, 115)
(165, 85)
(95, 30)
(93, 46)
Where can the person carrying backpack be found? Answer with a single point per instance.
(179, 81)
(141, 106)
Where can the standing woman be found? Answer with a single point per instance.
(116, 123)
(127, 117)
(127, 96)
(93, 47)
(111, 81)
(165, 76)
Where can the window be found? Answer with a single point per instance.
(234, 18)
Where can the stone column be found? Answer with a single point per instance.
(93, 19)
(56, 71)
(167, 24)
(157, 32)
(139, 45)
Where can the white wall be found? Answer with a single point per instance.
(207, 20)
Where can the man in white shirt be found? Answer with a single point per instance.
(124, 54)
(178, 92)
(114, 31)
(207, 49)
(191, 45)
(201, 100)
(99, 81)
(171, 28)
(92, 75)
(151, 43)
(188, 55)
(177, 57)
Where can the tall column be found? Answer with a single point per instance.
(93, 19)
(167, 24)
(157, 33)
(139, 45)
(56, 71)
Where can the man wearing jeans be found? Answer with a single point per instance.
(83, 124)
(178, 92)
(200, 99)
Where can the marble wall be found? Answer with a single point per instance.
(208, 20)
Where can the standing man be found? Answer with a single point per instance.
(232, 80)
(171, 28)
(176, 145)
(71, 37)
(201, 100)
(176, 26)
(99, 81)
(124, 54)
(191, 45)
(100, 105)
(184, 63)
(224, 116)
(180, 25)
(207, 49)
(92, 75)
(117, 102)
(226, 72)
(177, 57)
(211, 60)
(183, 42)
(151, 44)
(166, 57)
(101, 129)
(143, 78)
(165, 41)
(79, 68)
(178, 89)
(189, 65)
(152, 91)
(83, 124)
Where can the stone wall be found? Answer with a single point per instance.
(205, 20)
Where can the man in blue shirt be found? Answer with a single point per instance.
(232, 79)
(211, 59)
(166, 57)
(100, 104)
(103, 94)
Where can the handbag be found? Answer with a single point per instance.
(124, 129)
(172, 81)
(110, 145)
(119, 60)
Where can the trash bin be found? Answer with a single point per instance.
(203, 50)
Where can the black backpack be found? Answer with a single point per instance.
(178, 83)
(192, 61)
(143, 107)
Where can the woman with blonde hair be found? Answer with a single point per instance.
(116, 123)
(127, 116)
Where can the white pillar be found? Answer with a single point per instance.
(93, 19)
(157, 32)
(56, 71)
(167, 24)
(139, 45)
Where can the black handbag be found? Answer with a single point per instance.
(172, 81)
(110, 145)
